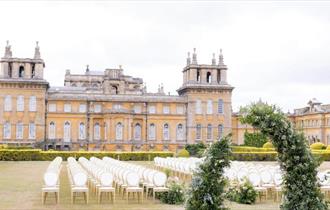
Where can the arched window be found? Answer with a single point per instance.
(52, 130)
(119, 131)
(220, 131)
(33, 71)
(220, 106)
(82, 131)
(32, 130)
(152, 131)
(6, 130)
(7, 105)
(208, 77)
(218, 76)
(33, 103)
(209, 109)
(198, 131)
(20, 103)
(137, 131)
(97, 132)
(67, 132)
(198, 76)
(179, 132)
(19, 130)
(198, 106)
(209, 131)
(21, 72)
(166, 132)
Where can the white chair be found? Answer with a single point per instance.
(159, 181)
(133, 186)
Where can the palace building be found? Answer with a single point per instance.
(108, 110)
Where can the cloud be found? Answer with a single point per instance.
(274, 51)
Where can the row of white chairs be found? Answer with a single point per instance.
(100, 181)
(51, 180)
(128, 175)
(78, 180)
(182, 167)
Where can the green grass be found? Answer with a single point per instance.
(20, 188)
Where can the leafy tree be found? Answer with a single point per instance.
(301, 190)
(207, 190)
(255, 139)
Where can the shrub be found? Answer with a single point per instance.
(318, 146)
(183, 153)
(328, 147)
(196, 150)
(255, 139)
(35, 154)
(207, 189)
(3, 146)
(175, 195)
(244, 193)
(268, 145)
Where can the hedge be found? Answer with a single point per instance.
(251, 149)
(39, 155)
(254, 156)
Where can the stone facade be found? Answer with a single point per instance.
(108, 110)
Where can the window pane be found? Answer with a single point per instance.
(220, 106)
(32, 131)
(52, 107)
(82, 108)
(20, 103)
(33, 104)
(7, 103)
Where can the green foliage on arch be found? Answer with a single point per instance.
(301, 189)
(207, 189)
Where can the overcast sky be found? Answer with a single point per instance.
(279, 52)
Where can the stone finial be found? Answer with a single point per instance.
(37, 51)
(214, 62)
(194, 57)
(8, 53)
(87, 68)
(188, 59)
(67, 72)
(221, 58)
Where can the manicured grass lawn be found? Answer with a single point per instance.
(20, 188)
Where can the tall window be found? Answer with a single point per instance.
(33, 103)
(20, 103)
(67, 107)
(220, 106)
(209, 107)
(220, 131)
(152, 131)
(166, 132)
(7, 105)
(97, 108)
(137, 131)
(51, 130)
(67, 132)
(166, 109)
(21, 72)
(208, 77)
(82, 108)
(32, 130)
(97, 132)
(179, 109)
(198, 131)
(19, 130)
(152, 109)
(137, 109)
(52, 107)
(82, 131)
(6, 130)
(119, 131)
(179, 132)
(117, 106)
(209, 131)
(198, 107)
(105, 131)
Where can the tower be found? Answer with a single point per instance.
(23, 98)
(209, 99)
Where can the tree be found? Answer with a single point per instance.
(207, 189)
(301, 190)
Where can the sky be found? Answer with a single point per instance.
(275, 51)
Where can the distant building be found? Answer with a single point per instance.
(108, 110)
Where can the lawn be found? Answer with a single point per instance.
(20, 185)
